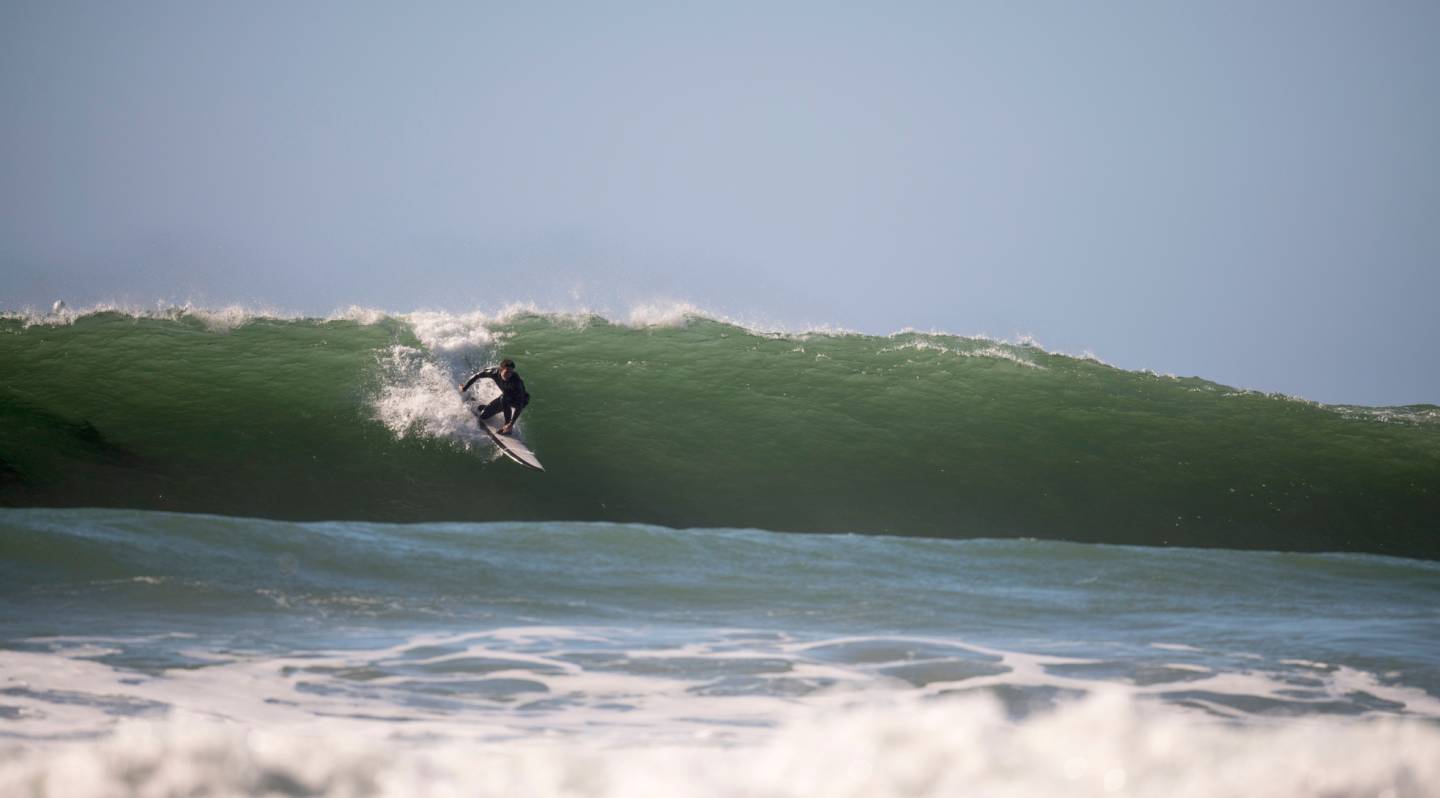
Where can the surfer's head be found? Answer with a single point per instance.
(507, 365)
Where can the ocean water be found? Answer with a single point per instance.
(248, 554)
(684, 421)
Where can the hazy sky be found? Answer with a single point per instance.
(1245, 191)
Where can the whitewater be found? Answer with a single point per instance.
(248, 552)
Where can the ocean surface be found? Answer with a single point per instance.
(244, 553)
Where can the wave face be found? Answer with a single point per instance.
(686, 421)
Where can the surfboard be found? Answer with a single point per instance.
(510, 445)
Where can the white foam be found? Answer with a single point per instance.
(981, 348)
(663, 314)
(1090, 356)
(418, 397)
(674, 313)
(888, 746)
(1390, 415)
(664, 702)
(643, 723)
(360, 315)
(447, 334)
(221, 319)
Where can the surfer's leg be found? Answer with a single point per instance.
(492, 408)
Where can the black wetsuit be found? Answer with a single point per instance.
(513, 396)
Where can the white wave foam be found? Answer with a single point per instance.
(230, 317)
(616, 713)
(450, 335)
(221, 319)
(360, 315)
(663, 314)
(1105, 745)
(979, 347)
(1090, 356)
(1418, 414)
(418, 398)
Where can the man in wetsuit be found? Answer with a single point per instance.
(513, 396)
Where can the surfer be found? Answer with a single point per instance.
(513, 396)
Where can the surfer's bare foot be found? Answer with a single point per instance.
(505, 430)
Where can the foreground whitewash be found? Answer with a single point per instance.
(1108, 744)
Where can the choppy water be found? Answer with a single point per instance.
(605, 659)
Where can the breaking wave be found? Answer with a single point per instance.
(673, 417)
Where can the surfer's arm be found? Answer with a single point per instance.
(486, 373)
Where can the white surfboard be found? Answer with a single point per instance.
(510, 445)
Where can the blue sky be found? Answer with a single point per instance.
(1246, 192)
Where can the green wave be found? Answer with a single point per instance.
(699, 423)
